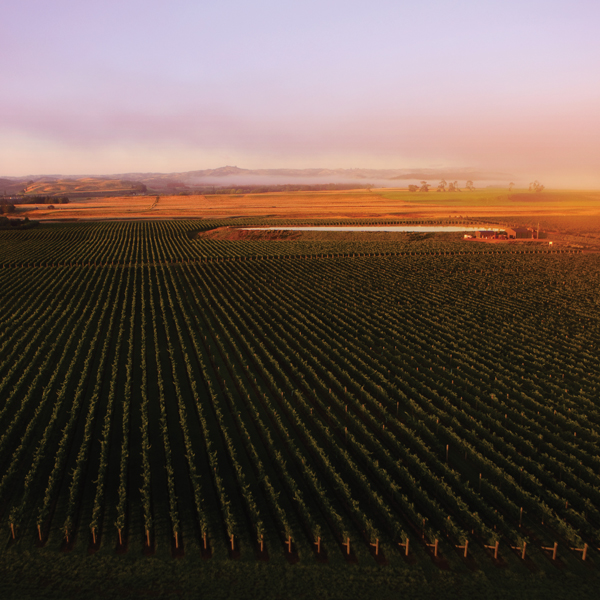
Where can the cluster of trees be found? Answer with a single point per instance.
(535, 186)
(452, 186)
(44, 200)
(6, 208)
(25, 223)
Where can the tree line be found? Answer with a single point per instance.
(43, 200)
(262, 189)
(443, 186)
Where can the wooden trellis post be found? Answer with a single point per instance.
(12, 530)
(318, 545)
(39, 532)
(523, 548)
(435, 547)
(289, 544)
(554, 550)
(176, 539)
(376, 545)
(94, 535)
(583, 550)
(120, 539)
(405, 545)
(232, 542)
(465, 547)
(262, 543)
(148, 537)
(347, 544)
(204, 539)
(494, 548)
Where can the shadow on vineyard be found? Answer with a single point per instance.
(251, 418)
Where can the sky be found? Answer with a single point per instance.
(99, 87)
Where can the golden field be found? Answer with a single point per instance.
(385, 203)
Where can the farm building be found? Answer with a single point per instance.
(519, 233)
(486, 234)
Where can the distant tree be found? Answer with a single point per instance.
(424, 186)
(442, 186)
(413, 188)
(535, 186)
(469, 185)
(511, 185)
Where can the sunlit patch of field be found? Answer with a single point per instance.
(377, 203)
(498, 202)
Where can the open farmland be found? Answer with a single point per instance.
(376, 203)
(421, 411)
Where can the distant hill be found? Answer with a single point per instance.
(71, 187)
(135, 183)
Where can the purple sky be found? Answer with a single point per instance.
(110, 87)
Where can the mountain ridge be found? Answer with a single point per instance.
(231, 175)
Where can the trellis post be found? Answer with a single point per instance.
(376, 545)
(553, 548)
(582, 550)
(435, 547)
(405, 545)
(522, 548)
(347, 544)
(495, 549)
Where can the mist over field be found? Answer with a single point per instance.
(107, 87)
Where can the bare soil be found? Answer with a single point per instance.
(235, 233)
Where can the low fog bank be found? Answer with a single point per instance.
(231, 177)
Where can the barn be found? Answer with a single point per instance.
(519, 233)
(486, 234)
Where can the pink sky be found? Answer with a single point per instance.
(111, 87)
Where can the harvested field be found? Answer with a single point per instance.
(376, 204)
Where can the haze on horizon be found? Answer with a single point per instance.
(130, 86)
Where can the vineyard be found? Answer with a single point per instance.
(389, 404)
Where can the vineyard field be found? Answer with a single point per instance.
(415, 405)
